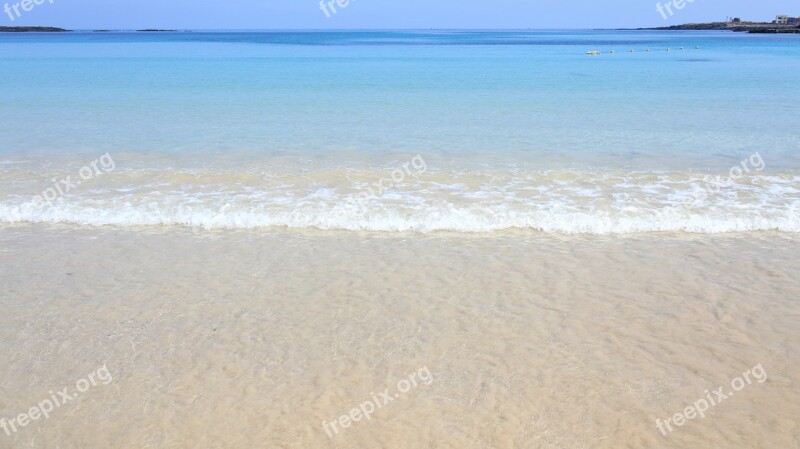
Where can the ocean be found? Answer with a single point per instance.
(517, 130)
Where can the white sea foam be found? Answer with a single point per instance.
(426, 220)
(463, 201)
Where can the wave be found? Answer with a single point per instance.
(459, 201)
(428, 220)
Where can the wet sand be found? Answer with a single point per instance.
(240, 339)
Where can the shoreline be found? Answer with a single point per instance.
(311, 232)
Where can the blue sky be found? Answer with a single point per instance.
(383, 14)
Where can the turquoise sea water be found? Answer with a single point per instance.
(517, 129)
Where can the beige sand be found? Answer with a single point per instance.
(252, 339)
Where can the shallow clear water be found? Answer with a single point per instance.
(513, 130)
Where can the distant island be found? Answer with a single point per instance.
(31, 30)
(4, 29)
(781, 25)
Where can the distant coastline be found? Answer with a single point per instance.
(31, 30)
(748, 27)
(739, 27)
(4, 29)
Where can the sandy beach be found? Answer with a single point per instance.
(517, 340)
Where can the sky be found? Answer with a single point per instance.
(382, 14)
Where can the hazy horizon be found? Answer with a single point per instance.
(251, 15)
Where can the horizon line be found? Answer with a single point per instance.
(343, 29)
